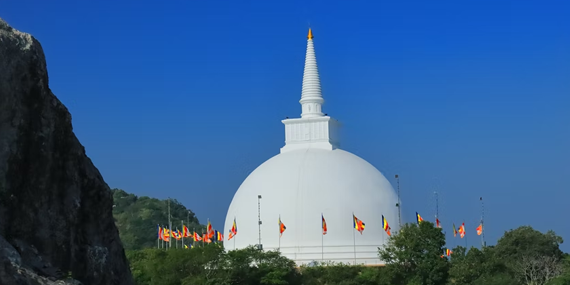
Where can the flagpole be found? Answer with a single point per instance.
(482, 226)
(322, 240)
(436, 205)
(188, 220)
(169, 225)
(279, 248)
(158, 240)
(183, 233)
(399, 204)
(354, 237)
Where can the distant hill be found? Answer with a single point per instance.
(137, 218)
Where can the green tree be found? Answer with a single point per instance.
(137, 218)
(533, 257)
(337, 274)
(526, 241)
(477, 267)
(413, 255)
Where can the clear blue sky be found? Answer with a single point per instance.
(184, 100)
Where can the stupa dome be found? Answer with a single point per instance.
(298, 186)
(311, 179)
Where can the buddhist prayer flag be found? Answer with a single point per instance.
(454, 230)
(358, 224)
(233, 230)
(462, 230)
(480, 229)
(159, 232)
(210, 230)
(448, 252)
(419, 218)
(185, 246)
(206, 238)
(282, 227)
(385, 226)
(165, 234)
(186, 232)
(177, 234)
(218, 236)
(324, 225)
(437, 224)
(197, 237)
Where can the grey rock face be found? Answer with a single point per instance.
(56, 223)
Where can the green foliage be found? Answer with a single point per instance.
(211, 265)
(526, 241)
(477, 267)
(530, 256)
(331, 273)
(413, 256)
(137, 218)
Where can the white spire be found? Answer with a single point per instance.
(313, 129)
(311, 97)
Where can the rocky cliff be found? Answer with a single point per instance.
(56, 218)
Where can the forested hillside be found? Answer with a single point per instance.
(137, 218)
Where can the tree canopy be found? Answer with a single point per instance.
(137, 218)
(414, 255)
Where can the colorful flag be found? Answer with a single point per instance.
(454, 230)
(165, 236)
(480, 229)
(462, 230)
(177, 234)
(185, 246)
(159, 232)
(219, 236)
(419, 218)
(385, 226)
(324, 224)
(448, 252)
(186, 232)
(206, 238)
(210, 230)
(437, 224)
(234, 227)
(358, 224)
(197, 237)
(282, 227)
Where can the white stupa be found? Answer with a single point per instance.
(312, 176)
